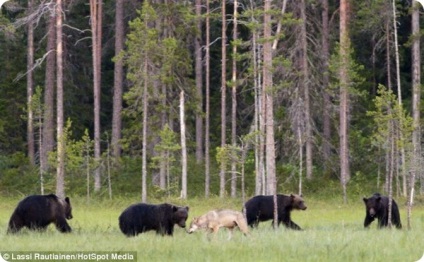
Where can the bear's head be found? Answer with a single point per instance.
(180, 215)
(298, 202)
(67, 208)
(373, 204)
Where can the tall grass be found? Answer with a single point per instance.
(332, 232)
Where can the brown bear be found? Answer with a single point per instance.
(36, 212)
(377, 206)
(261, 208)
(139, 218)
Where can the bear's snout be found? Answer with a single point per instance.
(301, 206)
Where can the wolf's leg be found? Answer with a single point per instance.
(230, 232)
(215, 230)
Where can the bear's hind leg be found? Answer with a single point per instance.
(14, 228)
(15, 224)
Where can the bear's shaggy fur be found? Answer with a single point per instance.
(139, 218)
(36, 212)
(377, 206)
(261, 208)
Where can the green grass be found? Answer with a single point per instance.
(332, 232)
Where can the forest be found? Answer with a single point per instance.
(210, 98)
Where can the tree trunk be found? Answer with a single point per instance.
(271, 182)
(207, 114)
(388, 56)
(234, 102)
(144, 149)
(269, 103)
(326, 147)
(162, 89)
(392, 138)
(199, 82)
(162, 164)
(300, 142)
(183, 149)
(305, 84)
(344, 95)
(96, 28)
(60, 174)
(244, 149)
(416, 97)
(223, 97)
(258, 119)
(399, 93)
(275, 210)
(30, 87)
(48, 116)
(40, 142)
(87, 169)
(118, 79)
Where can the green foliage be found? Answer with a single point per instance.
(166, 150)
(78, 157)
(17, 177)
(393, 128)
(37, 106)
(354, 73)
(168, 145)
(162, 35)
(388, 112)
(141, 43)
(12, 95)
(157, 57)
(368, 21)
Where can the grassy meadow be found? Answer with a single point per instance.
(332, 232)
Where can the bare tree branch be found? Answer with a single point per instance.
(37, 63)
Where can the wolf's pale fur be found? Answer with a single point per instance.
(215, 219)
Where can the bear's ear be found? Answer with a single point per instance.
(292, 196)
(187, 208)
(67, 200)
(378, 198)
(365, 200)
(174, 208)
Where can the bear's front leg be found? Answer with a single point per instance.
(368, 220)
(62, 225)
(170, 230)
(292, 225)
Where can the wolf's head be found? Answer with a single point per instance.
(194, 225)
